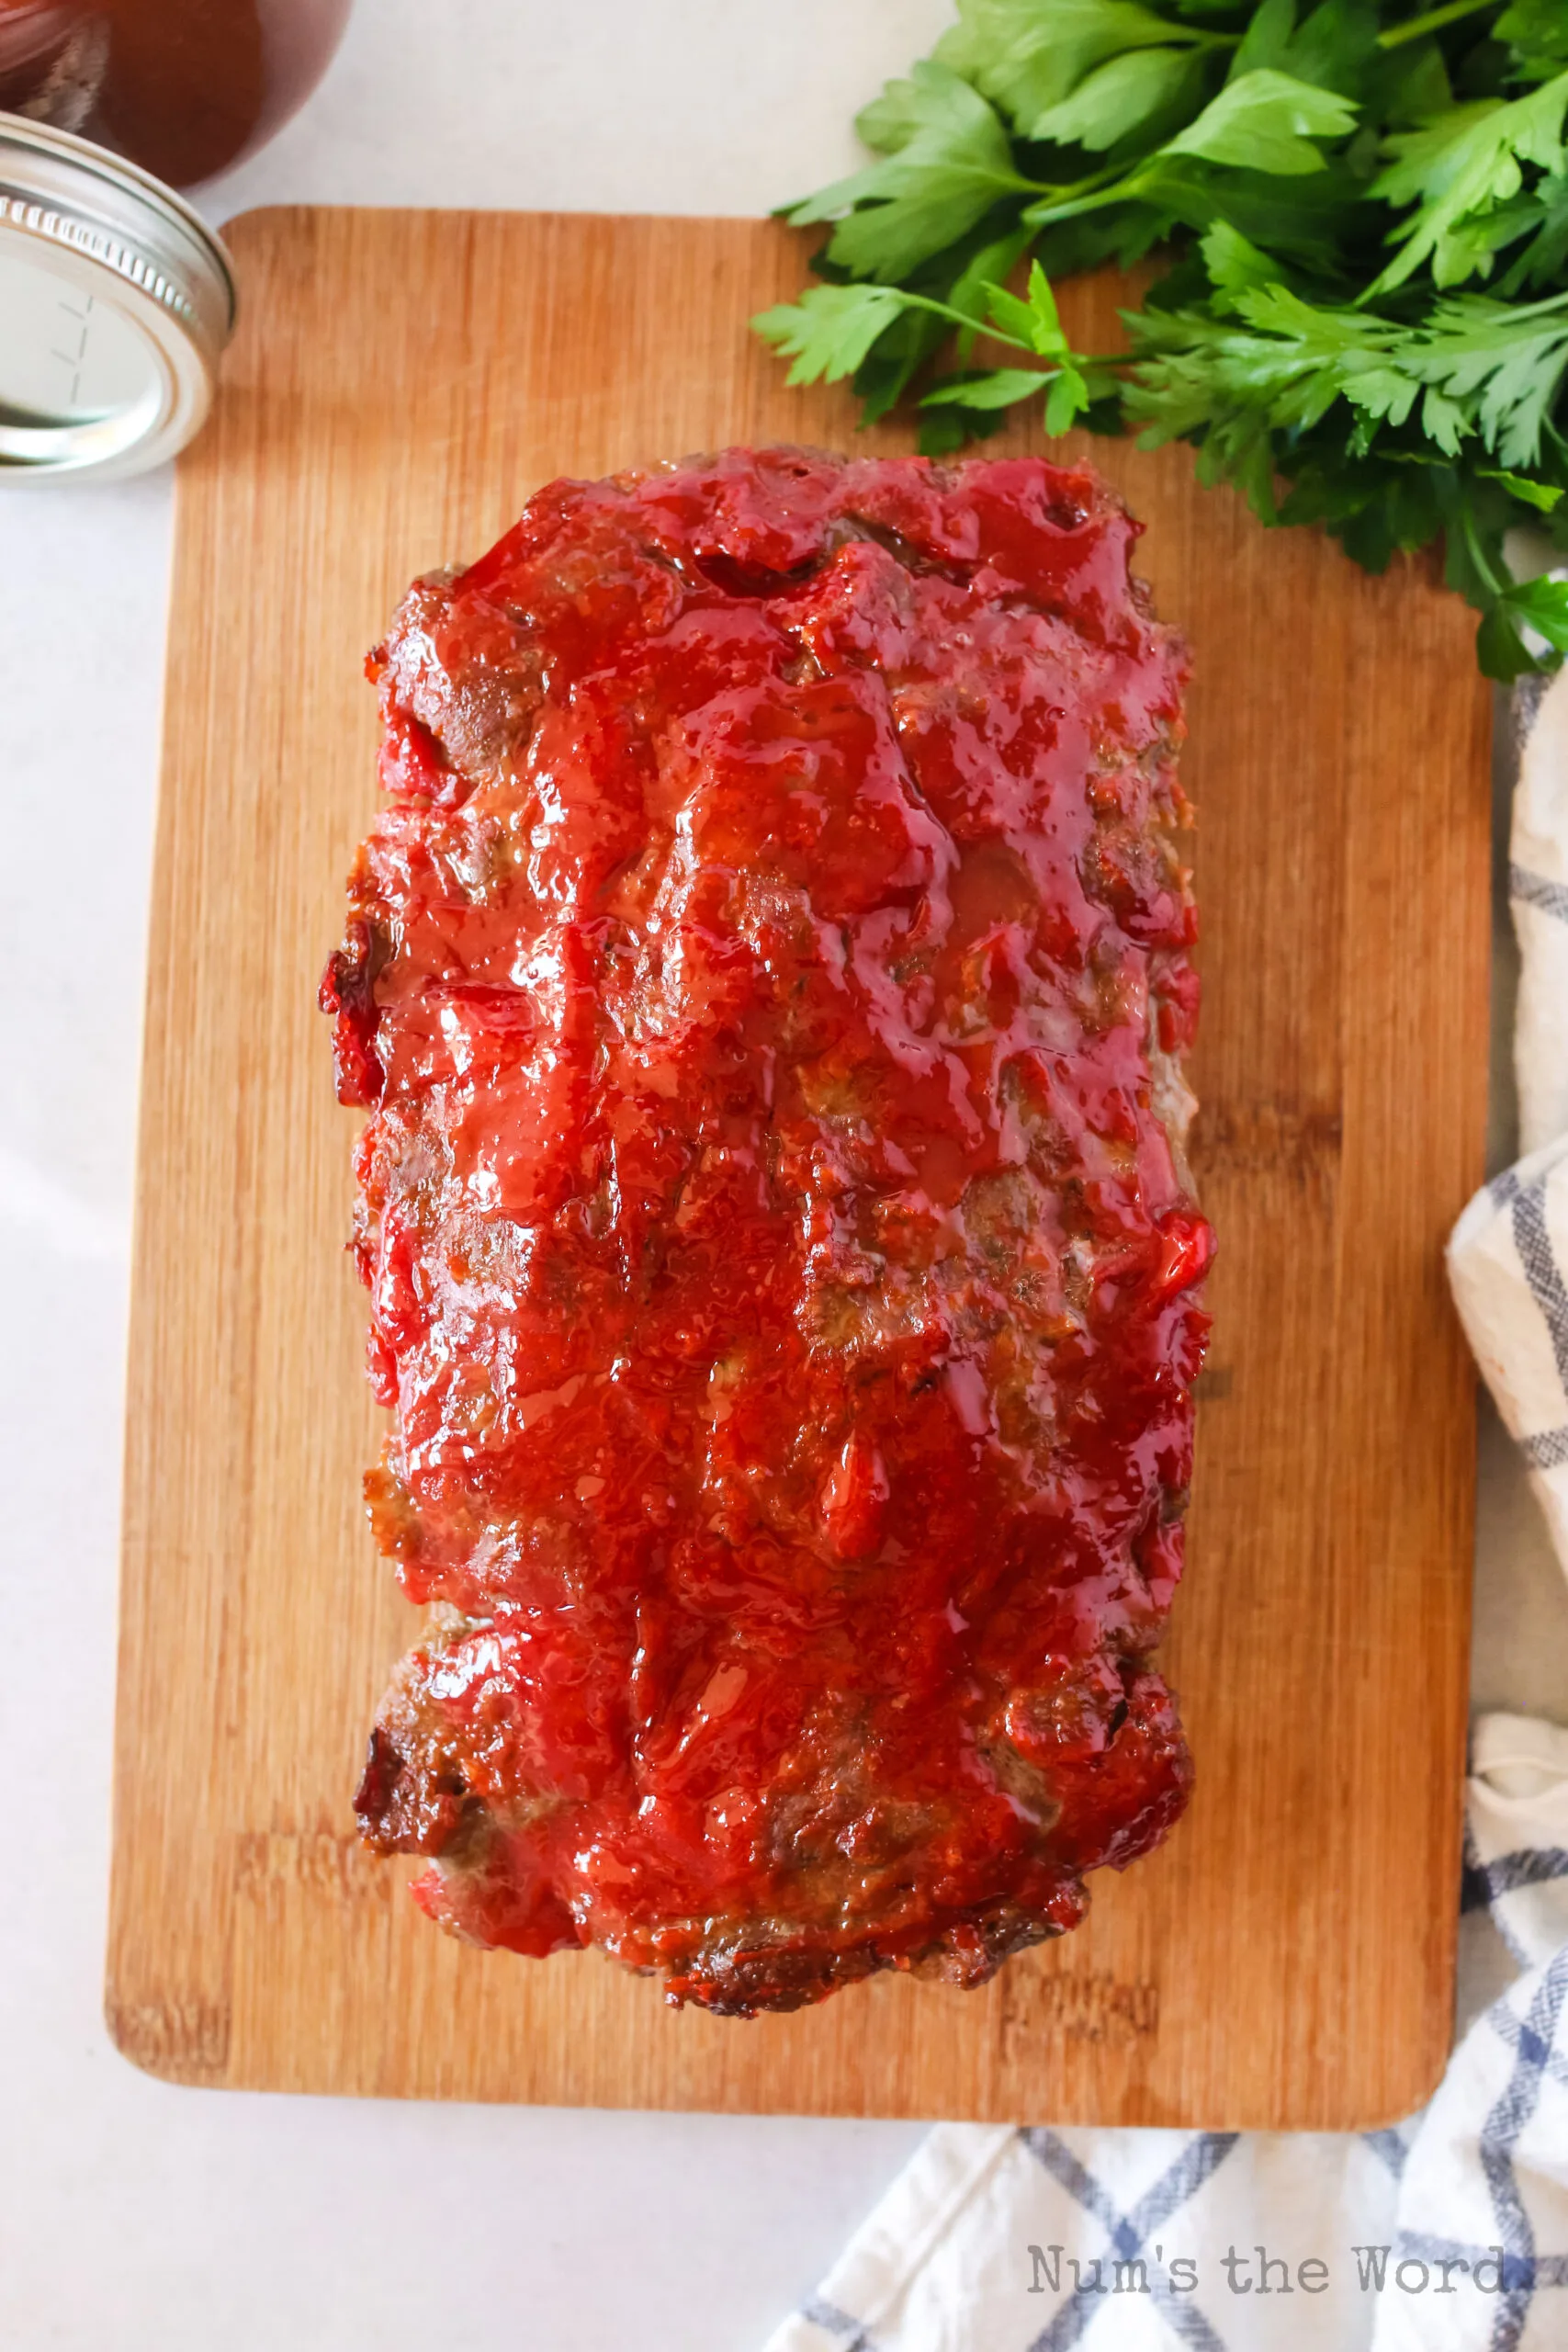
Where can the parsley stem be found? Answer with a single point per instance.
(1467, 524)
(1039, 216)
(998, 334)
(959, 318)
(1434, 18)
(1069, 191)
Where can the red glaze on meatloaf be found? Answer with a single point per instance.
(768, 977)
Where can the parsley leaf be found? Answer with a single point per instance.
(1267, 121)
(1263, 122)
(953, 162)
(1002, 387)
(1504, 362)
(1121, 97)
(1466, 161)
(1029, 56)
(1069, 392)
(1032, 323)
(1541, 604)
(1036, 322)
(1336, 46)
(973, 288)
(1326, 210)
(829, 331)
(1543, 496)
(1538, 32)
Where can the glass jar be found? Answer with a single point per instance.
(116, 299)
(183, 88)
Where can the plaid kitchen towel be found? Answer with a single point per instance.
(1509, 1255)
(1507, 1259)
(1449, 2234)
(1538, 894)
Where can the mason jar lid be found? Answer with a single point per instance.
(116, 301)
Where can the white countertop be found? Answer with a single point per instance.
(138, 2218)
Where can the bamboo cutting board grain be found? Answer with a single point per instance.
(400, 384)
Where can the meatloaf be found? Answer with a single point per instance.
(768, 977)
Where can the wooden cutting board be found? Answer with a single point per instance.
(400, 383)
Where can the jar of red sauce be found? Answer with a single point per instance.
(116, 299)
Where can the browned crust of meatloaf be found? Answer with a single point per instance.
(844, 1900)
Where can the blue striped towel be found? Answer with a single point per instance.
(1449, 2232)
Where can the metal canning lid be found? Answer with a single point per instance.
(116, 301)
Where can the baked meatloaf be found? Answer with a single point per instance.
(769, 981)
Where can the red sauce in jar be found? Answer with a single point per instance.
(184, 87)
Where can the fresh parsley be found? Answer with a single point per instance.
(1362, 210)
